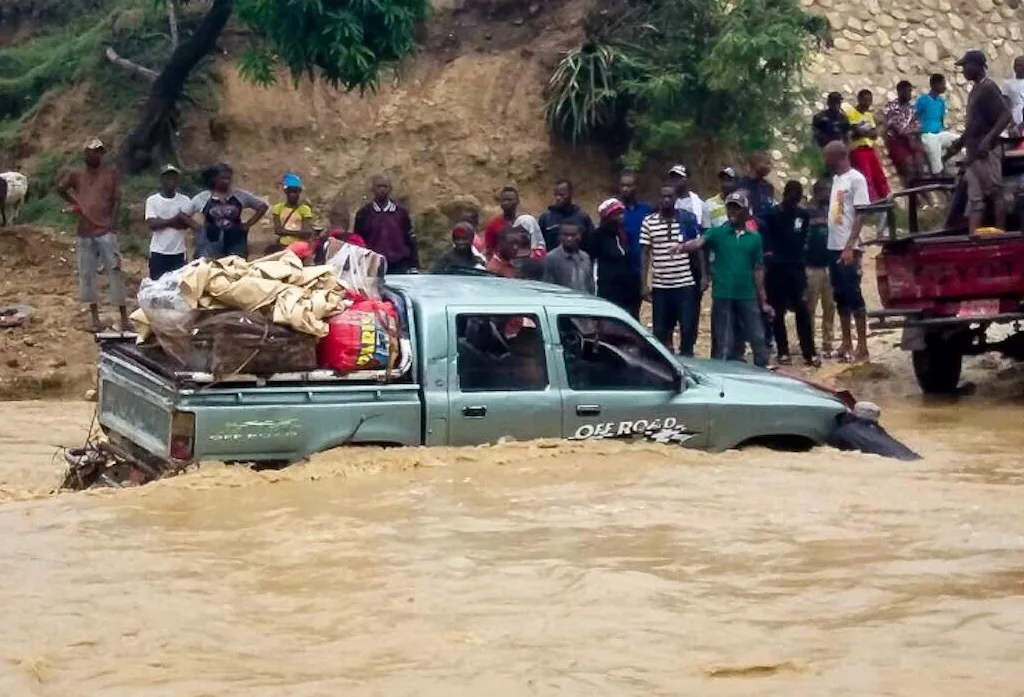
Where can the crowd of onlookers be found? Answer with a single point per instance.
(917, 137)
(759, 256)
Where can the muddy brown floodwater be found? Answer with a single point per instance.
(524, 569)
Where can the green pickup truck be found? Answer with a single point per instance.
(483, 358)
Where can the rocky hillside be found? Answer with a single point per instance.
(466, 116)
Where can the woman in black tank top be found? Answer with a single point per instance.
(224, 233)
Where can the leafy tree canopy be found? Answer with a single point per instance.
(663, 75)
(343, 42)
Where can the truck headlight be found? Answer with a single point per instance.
(869, 411)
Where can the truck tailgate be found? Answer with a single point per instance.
(273, 422)
(136, 404)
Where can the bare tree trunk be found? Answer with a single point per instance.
(113, 57)
(172, 22)
(158, 112)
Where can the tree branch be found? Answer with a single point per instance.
(136, 150)
(117, 60)
(172, 21)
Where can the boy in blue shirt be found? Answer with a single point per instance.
(931, 112)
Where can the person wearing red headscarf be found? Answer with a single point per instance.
(303, 250)
(462, 254)
(609, 248)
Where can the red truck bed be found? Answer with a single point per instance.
(953, 275)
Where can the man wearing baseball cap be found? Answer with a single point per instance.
(987, 117)
(167, 215)
(695, 219)
(94, 192)
(716, 204)
(687, 200)
(737, 295)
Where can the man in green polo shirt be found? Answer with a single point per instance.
(737, 284)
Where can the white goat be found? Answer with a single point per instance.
(13, 189)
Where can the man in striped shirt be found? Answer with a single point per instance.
(669, 281)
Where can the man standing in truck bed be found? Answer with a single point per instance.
(987, 117)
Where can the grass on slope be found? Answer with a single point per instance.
(64, 53)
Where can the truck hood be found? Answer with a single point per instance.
(734, 377)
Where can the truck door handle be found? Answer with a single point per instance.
(588, 410)
(474, 412)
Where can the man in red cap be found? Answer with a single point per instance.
(987, 117)
(462, 255)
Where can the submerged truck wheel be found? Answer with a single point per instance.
(937, 366)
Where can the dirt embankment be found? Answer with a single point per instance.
(50, 354)
(465, 117)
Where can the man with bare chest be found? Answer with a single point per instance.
(94, 192)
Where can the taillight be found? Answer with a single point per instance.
(183, 425)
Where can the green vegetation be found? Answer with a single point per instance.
(72, 52)
(31, 69)
(345, 44)
(670, 75)
(44, 204)
(586, 95)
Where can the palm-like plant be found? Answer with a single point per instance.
(587, 89)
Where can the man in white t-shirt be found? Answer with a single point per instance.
(849, 190)
(1013, 90)
(687, 200)
(167, 215)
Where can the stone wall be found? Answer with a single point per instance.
(880, 42)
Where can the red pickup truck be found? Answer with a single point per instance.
(946, 288)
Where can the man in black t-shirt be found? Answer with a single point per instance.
(785, 243)
(831, 124)
(987, 117)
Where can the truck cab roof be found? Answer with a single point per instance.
(492, 291)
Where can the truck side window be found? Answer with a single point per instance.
(500, 353)
(602, 353)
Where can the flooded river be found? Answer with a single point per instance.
(576, 569)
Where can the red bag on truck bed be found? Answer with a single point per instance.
(363, 337)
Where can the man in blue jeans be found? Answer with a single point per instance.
(737, 293)
(669, 281)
